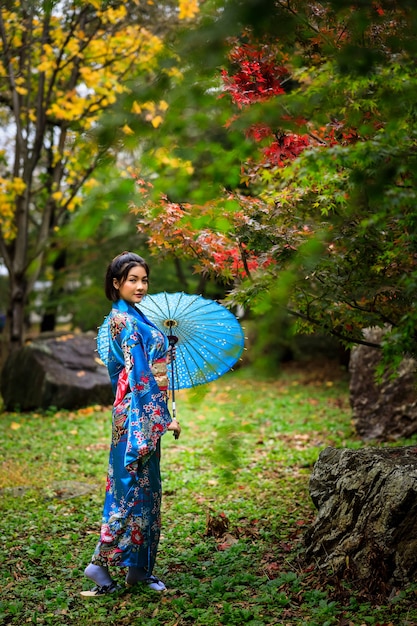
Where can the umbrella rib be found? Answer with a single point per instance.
(210, 339)
(190, 329)
(211, 346)
(194, 327)
(219, 357)
(217, 315)
(156, 305)
(214, 344)
(198, 302)
(186, 367)
(178, 303)
(198, 367)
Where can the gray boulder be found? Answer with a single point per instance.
(385, 410)
(366, 526)
(62, 371)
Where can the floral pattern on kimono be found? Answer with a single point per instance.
(131, 520)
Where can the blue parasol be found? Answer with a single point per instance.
(208, 338)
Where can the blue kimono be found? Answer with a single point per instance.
(132, 347)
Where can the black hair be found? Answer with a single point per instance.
(119, 269)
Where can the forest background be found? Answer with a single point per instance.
(264, 149)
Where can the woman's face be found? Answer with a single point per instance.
(135, 287)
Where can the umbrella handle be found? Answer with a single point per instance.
(172, 339)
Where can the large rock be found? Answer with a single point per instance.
(366, 526)
(385, 410)
(61, 371)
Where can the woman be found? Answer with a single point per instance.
(135, 352)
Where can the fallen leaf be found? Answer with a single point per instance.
(15, 426)
(65, 337)
(86, 411)
(99, 446)
(216, 525)
(227, 543)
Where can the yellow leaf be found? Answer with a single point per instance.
(127, 130)
(157, 121)
(74, 432)
(73, 47)
(18, 185)
(150, 106)
(22, 91)
(72, 205)
(188, 9)
(136, 108)
(66, 337)
(47, 65)
(15, 426)
(86, 411)
(88, 75)
(89, 184)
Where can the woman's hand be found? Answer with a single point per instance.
(175, 428)
(170, 355)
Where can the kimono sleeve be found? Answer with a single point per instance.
(148, 417)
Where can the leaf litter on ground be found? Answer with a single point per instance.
(235, 508)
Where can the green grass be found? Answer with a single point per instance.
(243, 461)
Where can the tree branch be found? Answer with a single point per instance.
(15, 103)
(304, 20)
(244, 258)
(334, 332)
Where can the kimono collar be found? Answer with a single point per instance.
(124, 307)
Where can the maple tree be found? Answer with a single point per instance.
(63, 65)
(321, 220)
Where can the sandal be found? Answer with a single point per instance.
(155, 584)
(152, 582)
(101, 590)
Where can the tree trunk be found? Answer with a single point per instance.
(49, 318)
(366, 527)
(16, 311)
(179, 270)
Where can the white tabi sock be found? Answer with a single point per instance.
(98, 574)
